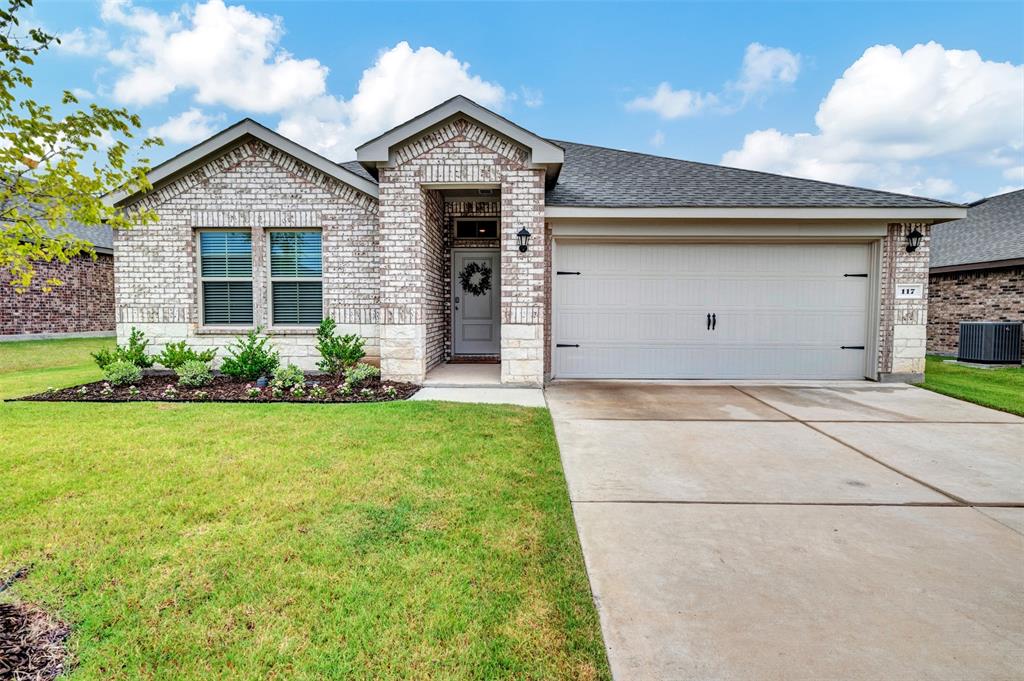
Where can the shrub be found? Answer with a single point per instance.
(134, 352)
(288, 376)
(360, 373)
(122, 372)
(193, 373)
(318, 392)
(339, 353)
(176, 354)
(250, 357)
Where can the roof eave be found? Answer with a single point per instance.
(934, 215)
(543, 153)
(233, 135)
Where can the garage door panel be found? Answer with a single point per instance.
(640, 311)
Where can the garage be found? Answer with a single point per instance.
(711, 311)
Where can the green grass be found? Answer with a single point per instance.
(1001, 388)
(406, 540)
(28, 367)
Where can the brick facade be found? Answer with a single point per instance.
(253, 187)
(458, 153)
(978, 295)
(83, 304)
(902, 323)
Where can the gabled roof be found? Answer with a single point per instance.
(234, 135)
(991, 235)
(542, 152)
(609, 178)
(100, 236)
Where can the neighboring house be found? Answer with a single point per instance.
(977, 269)
(636, 266)
(82, 306)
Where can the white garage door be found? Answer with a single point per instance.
(775, 310)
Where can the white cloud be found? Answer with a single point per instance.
(79, 42)
(764, 68)
(225, 55)
(187, 127)
(402, 83)
(891, 110)
(532, 98)
(1007, 188)
(670, 104)
(82, 94)
(657, 139)
(1015, 173)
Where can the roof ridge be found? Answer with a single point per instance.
(762, 172)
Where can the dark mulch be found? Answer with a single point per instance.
(33, 643)
(224, 389)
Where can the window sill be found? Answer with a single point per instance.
(242, 330)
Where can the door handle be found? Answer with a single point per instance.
(709, 321)
(714, 321)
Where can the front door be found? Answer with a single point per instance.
(476, 301)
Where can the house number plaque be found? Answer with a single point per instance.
(909, 291)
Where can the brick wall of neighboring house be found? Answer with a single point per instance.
(84, 303)
(902, 327)
(251, 187)
(460, 152)
(979, 295)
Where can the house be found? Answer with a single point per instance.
(82, 306)
(977, 269)
(460, 235)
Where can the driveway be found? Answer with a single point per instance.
(836, 531)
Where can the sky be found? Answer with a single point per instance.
(921, 98)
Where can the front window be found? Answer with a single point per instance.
(225, 266)
(296, 284)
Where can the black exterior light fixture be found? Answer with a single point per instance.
(913, 240)
(523, 239)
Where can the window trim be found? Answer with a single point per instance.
(470, 218)
(197, 236)
(271, 324)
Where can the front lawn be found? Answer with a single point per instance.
(28, 367)
(1000, 388)
(371, 541)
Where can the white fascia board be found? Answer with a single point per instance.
(192, 157)
(937, 214)
(377, 151)
(721, 230)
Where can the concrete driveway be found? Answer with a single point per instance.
(836, 531)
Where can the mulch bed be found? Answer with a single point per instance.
(225, 389)
(33, 643)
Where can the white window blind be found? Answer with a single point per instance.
(225, 265)
(296, 284)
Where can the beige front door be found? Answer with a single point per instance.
(476, 296)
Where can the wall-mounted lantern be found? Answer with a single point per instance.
(523, 239)
(913, 240)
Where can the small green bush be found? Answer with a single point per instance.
(134, 352)
(193, 373)
(122, 372)
(359, 374)
(250, 357)
(288, 376)
(339, 353)
(176, 354)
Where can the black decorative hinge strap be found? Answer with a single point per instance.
(561, 272)
(855, 275)
(851, 347)
(567, 345)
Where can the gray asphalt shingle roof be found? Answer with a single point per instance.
(600, 177)
(992, 230)
(610, 178)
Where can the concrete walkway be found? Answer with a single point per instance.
(849, 531)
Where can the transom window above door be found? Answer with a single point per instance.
(476, 228)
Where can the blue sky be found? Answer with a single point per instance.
(926, 98)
